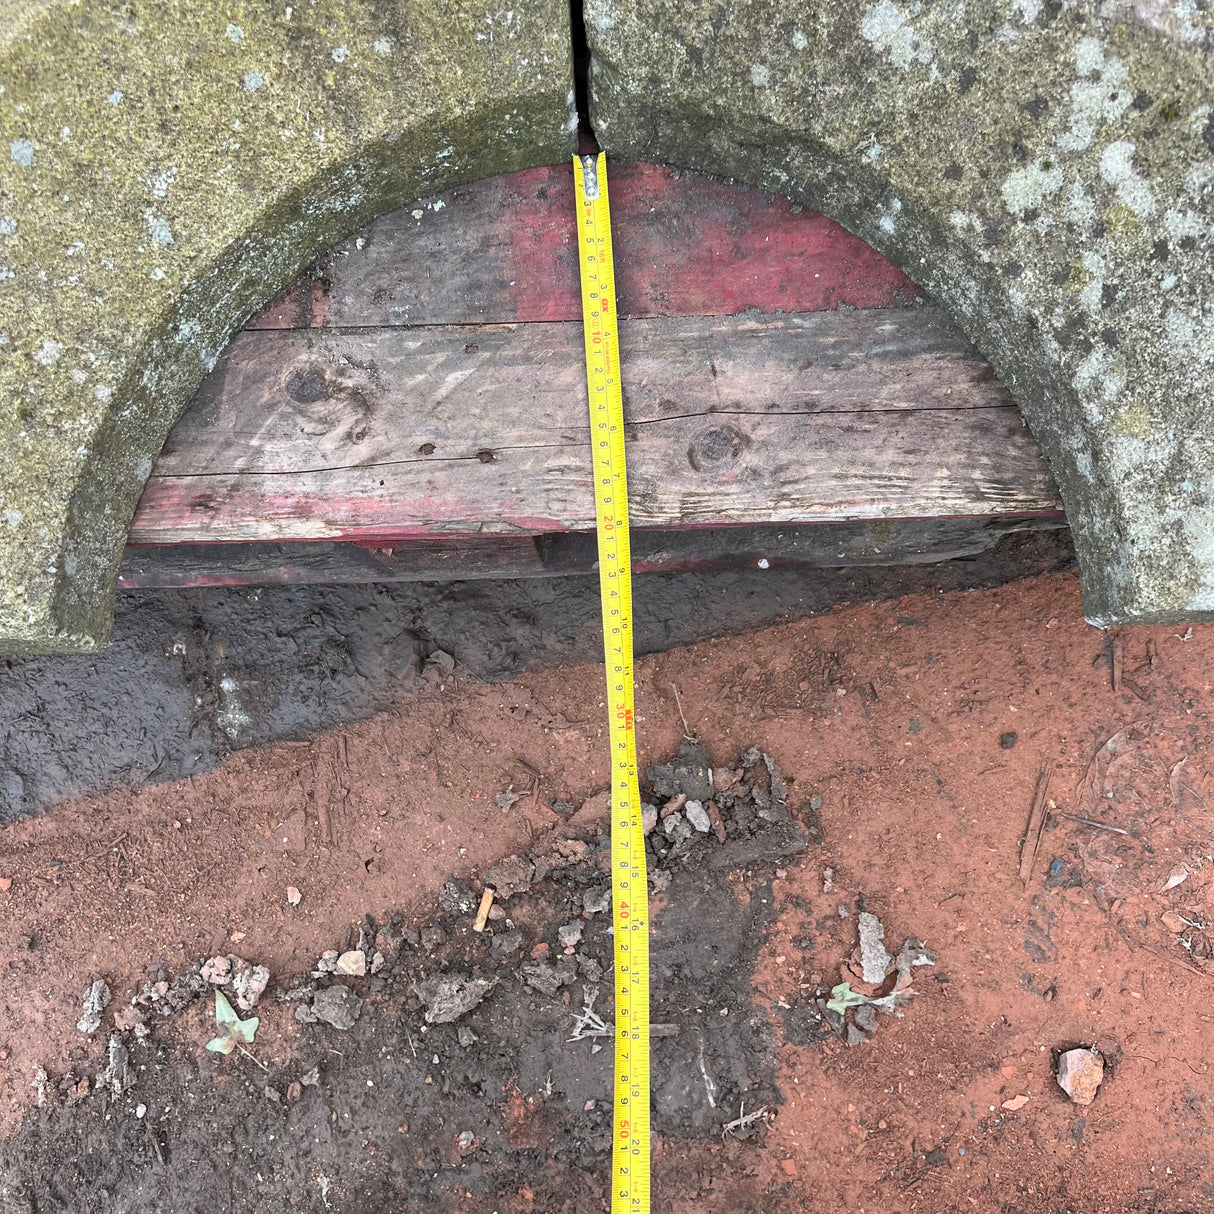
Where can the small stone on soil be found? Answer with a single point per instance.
(596, 899)
(447, 997)
(875, 959)
(338, 1006)
(697, 815)
(352, 963)
(96, 997)
(570, 934)
(294, 897)
(1080, 1073)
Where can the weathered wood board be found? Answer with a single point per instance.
(762, 549)
(505, 250)
(455, 430)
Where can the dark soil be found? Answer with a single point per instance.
(479, 1114)
(193, 675)
(923, 727)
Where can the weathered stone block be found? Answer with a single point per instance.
(164, 169)
(1044, 171)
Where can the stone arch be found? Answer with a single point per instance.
(1043, 170)
(169, 167)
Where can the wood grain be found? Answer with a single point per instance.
(505, 250)
(380, 434)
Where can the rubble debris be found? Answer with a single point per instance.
(217, 970)
(649, 817)
(96, 998)
(432, 937)
(116, 1077)
(513, 875)
(570, 934)
(505, 943)
(689, 773)
(507, 797)
(548, 977)
(353, 964)
(875, 959)
(1015, 1104)
(596, 899)
(697, 815)
(1080, 1072)
(249, 983)
(447, 997)
(337, 1005)
(457, 898)
(294, 897)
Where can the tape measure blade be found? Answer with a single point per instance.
(629, 880)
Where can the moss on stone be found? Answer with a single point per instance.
(170, 168)
(1044, 172)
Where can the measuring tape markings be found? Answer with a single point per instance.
(629, 884)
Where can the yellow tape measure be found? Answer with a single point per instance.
(629, 886)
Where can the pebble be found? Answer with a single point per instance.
(96, 997)
(338, 1006)
(649, 817)
(352, 963)
(1080, 1073)
(697, 815)
(596, 899)
(571, 933)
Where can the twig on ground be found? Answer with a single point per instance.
(744, 1120)
(106, 849)
(1032, 834)
(687, 734)
(252, 1058)
(587, 1022)
(1117, 830)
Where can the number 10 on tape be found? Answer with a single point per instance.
(629, 886)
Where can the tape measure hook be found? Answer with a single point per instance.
(590, 177)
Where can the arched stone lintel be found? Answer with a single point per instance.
(1045, 175)
(130, 266)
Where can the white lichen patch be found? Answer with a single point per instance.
(760, 75)
(1091, 297)
(22, 152)
(254, 82)
(339, 54)
(1102, 96)
(8, 225)
(1078, 208)
(1117, 168)
(1027, 188)
(160, 183)
(12, 517)
(48, 353)
(891, 34)
(234, 32)
(158, 229)
(115, 98)
(799, 40)
(382, 47)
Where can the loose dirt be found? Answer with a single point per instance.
(910, 737)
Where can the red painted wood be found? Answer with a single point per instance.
(505, 250)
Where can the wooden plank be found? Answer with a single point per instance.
(387, 434)
(698, 549)
(464, 559)
(504, 250)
